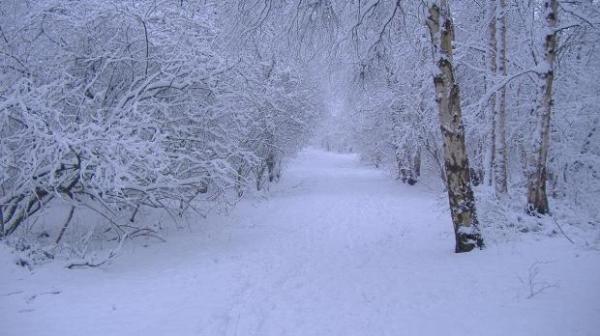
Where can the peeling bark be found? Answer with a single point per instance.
(460, 193)
(537, 199)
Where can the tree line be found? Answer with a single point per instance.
(497, 95)
(120, 105)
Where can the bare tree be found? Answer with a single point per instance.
(501, 154)
(492, 62)
(456, 162)
(537, 200)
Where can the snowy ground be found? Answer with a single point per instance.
(337, 249)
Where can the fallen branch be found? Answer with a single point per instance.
(562, 231)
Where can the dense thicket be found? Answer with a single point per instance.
(115, 106)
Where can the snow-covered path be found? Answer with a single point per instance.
(337, 249)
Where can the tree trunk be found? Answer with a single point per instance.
(239, 181)
(1, 222)
(460, 194)
(491, 57)
(271, 161)
(260, 172)
(417, 164)
(501, 156)
(537, 199)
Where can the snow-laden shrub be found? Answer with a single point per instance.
(116, 105)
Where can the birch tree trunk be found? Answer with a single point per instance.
(491, 55)
(537, 199)
(460, 194)
(501, 156)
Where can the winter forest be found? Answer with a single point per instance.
(299, 167)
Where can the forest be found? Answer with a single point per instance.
(199, 158)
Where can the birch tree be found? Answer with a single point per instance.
(492, 61)
(501, 154)
(537, 199)
(456, 162)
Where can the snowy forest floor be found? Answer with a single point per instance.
(335, 249)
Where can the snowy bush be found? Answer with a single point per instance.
(116, 105)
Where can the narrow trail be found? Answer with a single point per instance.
(336, 249)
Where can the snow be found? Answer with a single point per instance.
(335, 249)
